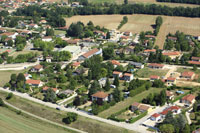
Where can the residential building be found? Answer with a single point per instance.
(34, 83)
(172, 38)
(144, 108)
(154, 77)
(150, 36)
(155, 66)
(75, 64)
(135, 106)
(197, 130)
(49, 59)
(128, 76)
(47, 39)
(45, 88)
(155, 117)
(171, 81)
(91, 53)
(127, 33)
(37, 68)
(195, 59)
(188, 75)
(117, 74)
(115, 63)
(170, 95)
(74, 50)
(136, 64)
(12, 35)
(188, 99)
(100, 97)
(172, 54)
(148, 51)
(27, 76)
(174, 109)
(102, 82)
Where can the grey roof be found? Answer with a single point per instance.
(135, 63)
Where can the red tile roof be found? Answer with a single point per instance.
(154, 77)
(136, 104)
(155, 115)
(116, 72)
(114, 62)
(187, 74)
(156, 65)
(172, 38)
(91, 52)
(128, 74)
(195, 58)
(149, 50)
(171, 79)
(31, 81)
(171, 53)
(38, 66)
(189, 98)
(144, 107)
(169, 93)
(75, 64)
(100, 94)
(150, 36)
(7, 33)
(172, 108)
(194, 62)
(46, 88)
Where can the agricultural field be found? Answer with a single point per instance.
(137, 23)
(127, 102)
(144, 2)
(82, 123)
(11, 122)
(147, 72)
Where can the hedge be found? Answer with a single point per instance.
(113, 116)
(132, 120)
(178, 98)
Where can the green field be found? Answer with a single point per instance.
(57, 32)
(10, 122)
(127, 102)
(147, 72)
(82, 123)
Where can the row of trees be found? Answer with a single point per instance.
(156, 99)
(159, 22)
(123, 22)
(181, 1)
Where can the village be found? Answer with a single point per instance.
(107, 73)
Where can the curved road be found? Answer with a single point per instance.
(40, 118)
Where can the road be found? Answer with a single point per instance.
(17, 66)
(43, 119)
(128, 126)
(67, 99)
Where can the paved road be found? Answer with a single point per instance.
(43, 119)
(119, 124)
(67, 99)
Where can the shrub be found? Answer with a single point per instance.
(71, 117)
(9, 96)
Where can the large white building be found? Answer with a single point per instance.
(74, 50)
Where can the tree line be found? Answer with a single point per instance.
(181, 1)
(123, 22)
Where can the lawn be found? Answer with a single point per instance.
(10, 122)
(82, 123)
(127, 102)
(57, 32)
(181, 69)
(5, 76)
(15, 54)
(147, 72)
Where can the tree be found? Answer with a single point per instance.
(1, 102)
(186, 129)
(71, 117)
(108, 53)
(20, 77)
(117, 95)
(158, 83)
(107, 86)
(125, 2)
(162, 97)
(108, 35)
(62, 78)
(195, 107)
(116, 81)
(10, 43)
(194, 67)
(49, 32)
(50, 96)
(9, 96)
(77, 101)
(167, 128)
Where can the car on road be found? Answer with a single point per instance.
(58, 108)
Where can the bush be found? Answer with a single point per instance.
(71, 117)
(132, 120)
(1, 102)
(9, 96)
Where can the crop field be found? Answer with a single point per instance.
(10, 122)
(137, 23)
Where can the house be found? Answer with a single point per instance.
(188, 99)
(172, 38)
(117, 74)
(128, 76)
(127, 33)
(150, 36)
(169, 95)
(128, 50)
(74, 50)
(154, 77)
(194, 62)
(197, 130)
(90, 53)
(144, 108)
(47, 39)
(66, 92)
(155, 117)
(43, 21)
(34, 83)
(102, 82)
(188, 75)
(195, 59)
(174, 109)
(72, 41)
(27, 76)
(135, 106)
(155, 66)
(12, 35)
(37, 68)
(171, 81)
(100, 97)
(136, 64)
(75, 64)
(33, 26)
(45, 88)
(148, 51)
(48, 59)
(172, 54)
(115, 63)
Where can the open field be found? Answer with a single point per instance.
(82, 123)
(127, 102)
(5, 76)
(10, 122)
(137, 23)
(147, 72)
(144, 2)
